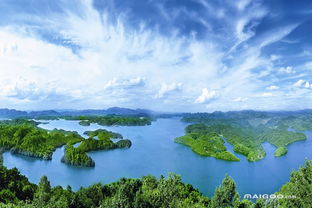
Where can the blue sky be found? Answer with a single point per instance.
(166, 55)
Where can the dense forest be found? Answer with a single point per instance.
(246, 131)
(105, 120)
(111, 120)
(206, 144)
(77, 155)
(24, 137)
(17, 192)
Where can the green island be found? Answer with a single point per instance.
(246, 131)
(205, 143)
(280, 151)
(77, 155)
(17, 192)
(25, 137)
(111, 120)
(105, 120)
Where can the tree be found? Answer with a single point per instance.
(225, 195)
(43, 193)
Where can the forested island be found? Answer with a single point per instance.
(106, 120)
(98, 140)
(246, 131)
(26, 138)
(17, 192)
(205, 142)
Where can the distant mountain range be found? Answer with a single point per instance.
(12, 113)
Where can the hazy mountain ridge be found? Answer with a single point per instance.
(13, 113)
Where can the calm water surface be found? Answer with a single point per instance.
(154, 152)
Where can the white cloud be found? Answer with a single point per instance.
(240, 99)
(273, 87)
(206, 96)
(115, 64)
(274, 57)
(286, 70)
(277, 34)
(167, 88)
(242, 4)
(308, 65)
(302, 83)
(307, 85)
(266, 94)
(299, 83)
(125, 84)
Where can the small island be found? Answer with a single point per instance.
(111, 120)
(280, 151)
(25, 137)
(21, 136)
(105, 120)
(77, 156)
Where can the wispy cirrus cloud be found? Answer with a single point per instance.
(99, 54)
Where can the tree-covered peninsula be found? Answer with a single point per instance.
(17, 192)
(247, 130)
(100, 139)
(205, 143)
(104, 120)
(26, 138)
(112, 120)
(76, 157)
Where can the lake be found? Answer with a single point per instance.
(154, 152)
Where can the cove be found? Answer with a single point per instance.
(154, 152)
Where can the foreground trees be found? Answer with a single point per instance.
(171, 192)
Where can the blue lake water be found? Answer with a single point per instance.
(154, 152)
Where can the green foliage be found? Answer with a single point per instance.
(76, 157)
(84, 123)
(43, 193)
(247, 130)
(225, 155)
(124, 143)
(92, 144)
(280, 151)
(147, 192)
(24, 137)
(111, 120)
(205, 143)
(14, 186)
(103, 134)
(242, 149)
(1, 157)
(298, 191)
(225, 195)
(282, 137)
